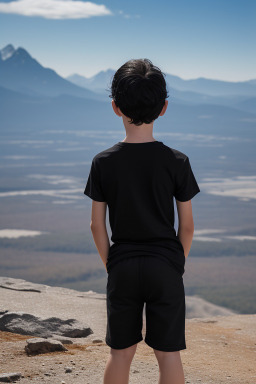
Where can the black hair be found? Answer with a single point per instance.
(139, 90)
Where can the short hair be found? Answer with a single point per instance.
(139, 90)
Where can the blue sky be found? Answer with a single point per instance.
(187, 38)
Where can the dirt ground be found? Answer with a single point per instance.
(220, 350)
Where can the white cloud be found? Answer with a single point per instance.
(55, 9)
(126, 16)
(241, 187)
(59, 193)
(16, 233)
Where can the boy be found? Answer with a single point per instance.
(137, 179)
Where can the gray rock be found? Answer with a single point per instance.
(40, 345)
(4, 311)
(26, 324)
(62, 339)
(19, 284)
(9, 377)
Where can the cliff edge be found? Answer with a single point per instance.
(221, 345)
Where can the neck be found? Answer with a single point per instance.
(137, 134)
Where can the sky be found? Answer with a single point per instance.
(187, 38)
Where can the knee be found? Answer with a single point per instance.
(126, 354)
(162, 356)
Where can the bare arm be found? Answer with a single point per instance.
(99, 230)
(186, 224)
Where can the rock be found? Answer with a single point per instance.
(196, 307)
(68, 369)
(2, 312)
(97, 341)
(19, 284)
(9, 377)
(60, 338)
(40, 345)
(26, 324)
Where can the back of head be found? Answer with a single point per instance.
(139, 90)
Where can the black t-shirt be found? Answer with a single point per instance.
(138, 181)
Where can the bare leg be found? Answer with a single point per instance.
(118, 365)
(170, 367)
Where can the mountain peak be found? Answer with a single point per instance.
(7, 52)
(22, 52)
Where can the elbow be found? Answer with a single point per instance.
(96, 226)
(189, 228)
(187, 225)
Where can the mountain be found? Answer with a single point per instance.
(200, 90)
(22, 112)
(252, 81)
(213, 87)
(19, 111)
(33, 96)
(7, 52)
(248, 104)
(101, 81)
(203, 91)
(96, 83)
(22, 73)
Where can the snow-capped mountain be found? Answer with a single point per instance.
(22, 73)
(7, 52)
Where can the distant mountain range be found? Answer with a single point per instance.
(208, 87)
(196, 91)
(97, 83)
(34, 96)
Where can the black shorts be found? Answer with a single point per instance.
(145, 279)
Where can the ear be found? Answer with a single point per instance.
(116, 109)
(164, 108)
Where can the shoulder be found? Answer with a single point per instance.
(175, 154)
(101, 156)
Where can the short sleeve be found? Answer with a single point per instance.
(93, 187)
(186, 185)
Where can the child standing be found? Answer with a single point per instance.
(137, 179)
